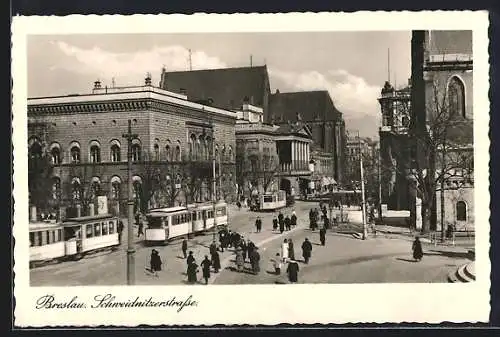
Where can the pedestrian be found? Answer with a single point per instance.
(190, 258)
(255, 261)
(240, 261)
(281, 225)
(275, 224)
(277, 264)
(306, 250)
(192, 270)
(243, 247)
(239, 205)
(155, 262)
(216, 261)
(284, 251)
(281, 218)
(326, 223)
(250, 249)
(213, 248)
(205, 267)
(293, 220)
(417, 249)
(293, 271)
(184, 247)
(287, 223)
(291, 250)
(322, 236)
(258, 224)
(120, 231)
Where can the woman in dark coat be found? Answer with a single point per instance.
(243, 247)
(291, 250)
(192, 269)
(306, 250)
(255, 258)
(216, 262)
(293, 271)
(293, 220)
(417, 249)
(155, 262)
(322, 235)
(184, 247)
(190, 258)
(205, 267)
(275, 224)
(287, 223)
(250, 248)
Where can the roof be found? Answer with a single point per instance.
(42, 225)
(226, 87)
(294, 129)
(88, 218)
(450, 42)
(305, 105)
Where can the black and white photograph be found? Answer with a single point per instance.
(264, 160)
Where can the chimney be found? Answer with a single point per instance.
(97, 84)
(147, 81)
(163, 84)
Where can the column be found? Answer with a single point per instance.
(33, 215)
(78, 210)
(307, 154)
(91, 209)
(293, 154)
(303, 156)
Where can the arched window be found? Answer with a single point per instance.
(115, 151)
(456, 97)
(230, 153)
(75, 152)
(35, 149)
(192, 146)
(216, 152)
(56, 188)
(95, 187)
(137, 189)
(95, 152)
(156, 150)
(115, 187)
(461, 211)
(223, 154)
(136, 150)
(178, 152)
(76, 189)
(168, 151)
(202, 147)
(55, 153)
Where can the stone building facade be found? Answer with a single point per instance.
(83, 136)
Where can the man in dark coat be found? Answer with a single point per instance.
(184, 247)
(205, 267)
(192, 269)
(190, 258)
(258, 225)
(293, 220)
(287, 223)
(213, 248)
(250, 249)
(326, 223)
(275, 224)
(255, 260)
(155, 262)
(281, 220)
(216, 261)
(293, 271)
(291, 250)
(243, 247)
(306, 250)
(322, 235)
(120, 230)
(417, 250)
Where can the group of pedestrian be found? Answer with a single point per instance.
(206, 263)
(228, 238)
(244, 250)
(284, 223)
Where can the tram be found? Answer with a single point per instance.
(165, 224)
(269, 201)
(72, 238)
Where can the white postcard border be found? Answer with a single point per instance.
(244, 304)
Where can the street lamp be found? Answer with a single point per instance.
(214, 179)
(363, 205)
(130, 249)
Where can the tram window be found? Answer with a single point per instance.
(105, 228)
(38, 238)
(97, 229)
(194, 216)
(51, 237)
(89, 232)
(57, 235)
(268, 198)
(44, 238)
(32, 239)
(111, 227)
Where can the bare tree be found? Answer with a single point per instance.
(40, 171)
(440, 152)
(257, 168)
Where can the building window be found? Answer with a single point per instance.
(75, 155)
(115, 153)
(95, 154)
(115, 188)
(76, 190)
(456, 97)
(178, 153)
(56, 156)
(156, 150)
(56, 188)
(461, 211)
(136, 152)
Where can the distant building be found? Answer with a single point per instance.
(83, 135)
(270, 157)
(316, 110)
(394, 147)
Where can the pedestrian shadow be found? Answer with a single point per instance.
(453, 255)
(181, 257)
(405, 260)
(271, 272)
(316, 244)
(280, 282)
(244, 270)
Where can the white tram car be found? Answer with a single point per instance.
(270, 201)
(165, 224)
(72, 238)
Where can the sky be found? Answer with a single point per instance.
(352, 66)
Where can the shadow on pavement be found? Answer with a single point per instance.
(405, 260)
(245, 270)
(450, 254)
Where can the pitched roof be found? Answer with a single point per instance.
(227, 87)
(310, 105)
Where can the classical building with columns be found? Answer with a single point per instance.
(270, 157)
(82, 137)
